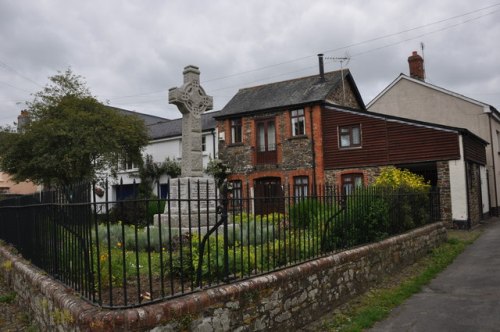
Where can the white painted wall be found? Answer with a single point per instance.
(410, 98)
(160, 150)
(458, 190)
(484, 189)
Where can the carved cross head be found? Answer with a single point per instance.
(190, 97)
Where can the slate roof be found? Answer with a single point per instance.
(159, 127)
(434, 87)
(148, 119)
(297, 91)
(172, 128)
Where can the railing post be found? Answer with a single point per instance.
(55, 224)
(224, 200)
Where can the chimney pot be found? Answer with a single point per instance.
(321, 67)
(416, 63)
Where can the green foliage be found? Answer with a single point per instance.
(8, 298)
(71, 138)
(305, 213)
(395, 178)
(271, 218)
(218, 169)
(398, 201)
(130, 212)
(121, 235)
(150, 172)
(172, 168)
(254, 232)
(136, 212)
(155, 207)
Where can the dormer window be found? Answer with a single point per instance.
(350, 136)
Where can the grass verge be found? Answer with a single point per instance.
(377, 303)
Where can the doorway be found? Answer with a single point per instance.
(269, 195)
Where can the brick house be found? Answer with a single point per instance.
(313, 131)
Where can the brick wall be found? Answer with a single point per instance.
(286, 299)
(334, 177)
(294, 154)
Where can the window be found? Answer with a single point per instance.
(350, 136)
(236, 131)
(351, 182)
(300, 187)
(266, 141)
(266, 136)
(127, 164)
(298, 122)
(237, 195)
(204, 143)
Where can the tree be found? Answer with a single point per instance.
(71, 138)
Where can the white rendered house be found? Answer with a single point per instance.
(165, 141)
(413, 98)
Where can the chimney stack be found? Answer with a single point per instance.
(321, 67)
(23, 120)
(416, 63)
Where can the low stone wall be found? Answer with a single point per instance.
(286, 299)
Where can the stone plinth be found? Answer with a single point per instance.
(192, 202)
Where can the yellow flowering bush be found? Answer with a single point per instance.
(393, 177)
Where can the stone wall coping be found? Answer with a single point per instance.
(86, 314)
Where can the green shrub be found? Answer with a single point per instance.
(254, 232)
(305, 213)
(130, 212)
(154, 208)
(129, 243)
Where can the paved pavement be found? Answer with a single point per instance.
(464, 297)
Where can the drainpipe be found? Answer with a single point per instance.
(213, 141)
(313, 152)
(494, 167)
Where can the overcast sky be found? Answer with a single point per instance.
(132, 52)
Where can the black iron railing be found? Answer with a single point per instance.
(140, 250)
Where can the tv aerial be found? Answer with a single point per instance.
(344, 61)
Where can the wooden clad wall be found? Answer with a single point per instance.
(384, 141)
(474, 149)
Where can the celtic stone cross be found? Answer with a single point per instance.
(192, 101)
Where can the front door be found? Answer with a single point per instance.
(269, 195)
